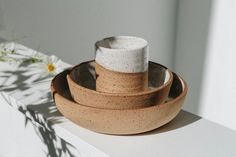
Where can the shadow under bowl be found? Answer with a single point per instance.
(82, 85)
(119, 122)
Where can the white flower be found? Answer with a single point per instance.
(7, 48)
(51, 65)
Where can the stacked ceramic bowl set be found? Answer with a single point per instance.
(120, 92)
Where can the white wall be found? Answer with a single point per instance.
(69, 28)
(205, 56)
(191, 44)
(218, 101)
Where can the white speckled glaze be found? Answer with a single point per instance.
(123, 54)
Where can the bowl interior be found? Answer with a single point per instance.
(85, 75)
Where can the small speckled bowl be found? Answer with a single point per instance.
(122, 64)
(82, 84)
(119, 122)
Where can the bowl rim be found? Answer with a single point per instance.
(173, 101)
(147, 92)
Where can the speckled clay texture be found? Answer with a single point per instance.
(120, 122)
(123, 54)
(116, 82)
(82, 87)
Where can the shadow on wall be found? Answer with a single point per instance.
(2, 40)
(1, 18)
(193, 21)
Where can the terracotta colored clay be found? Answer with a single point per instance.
(82, 87)
(120, 122)
(116, 82)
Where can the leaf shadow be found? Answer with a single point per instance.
(41, 114)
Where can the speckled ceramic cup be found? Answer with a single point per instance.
(121, 64)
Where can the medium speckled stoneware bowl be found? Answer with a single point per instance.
(119, 122)
(123, 64)
(82, 84)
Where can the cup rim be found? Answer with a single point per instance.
(99, 46)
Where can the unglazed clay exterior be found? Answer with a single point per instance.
(116, 82)
(119, 122)
(123, 54)
(82, 85)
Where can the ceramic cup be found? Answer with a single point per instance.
(121, 64)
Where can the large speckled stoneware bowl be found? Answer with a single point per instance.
(82, 83)
(119, 122)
